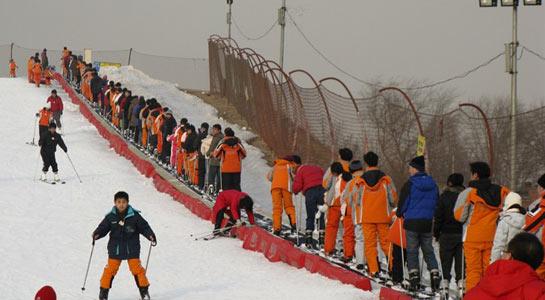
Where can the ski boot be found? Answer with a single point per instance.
(360, 267)
(414, 280)
(321, 238)
(103, 294)
(346, 260)
(435, 280)
(44, 176)
(144, 294)
(444, 288)
(277, 232)
(461, 288)
(56, 177)
(309, 241)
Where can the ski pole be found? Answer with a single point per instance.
(34, 133)
(149, 254)
(219, 230)
(402, 254)
(299, 217)
(88, 266)
(73, 167)
(37, 164)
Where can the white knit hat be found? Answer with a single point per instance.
(512, 199)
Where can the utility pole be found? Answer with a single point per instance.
(229, 18)
(513, 59)
(282, 23)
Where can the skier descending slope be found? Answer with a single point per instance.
(48, 143)
(125, 224)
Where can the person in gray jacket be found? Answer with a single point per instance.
(511, 221)
(214, 163)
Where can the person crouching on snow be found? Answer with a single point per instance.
(229, 203)
(125, 224)
(48, 143)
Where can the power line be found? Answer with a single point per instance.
(254, 38)
(540, 56)
(459, 76)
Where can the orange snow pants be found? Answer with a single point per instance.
(30, 75)
(12, 73)
(180, 160)
(159, 142)
(113, 266)
(282, 200)
(477, 256)
(372, 232)
(144, 137)
(193, 168)
(332, 228)
(37, 78)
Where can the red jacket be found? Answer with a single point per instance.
(307, 176)
(230, 200)
(56, 103)
(508, 279)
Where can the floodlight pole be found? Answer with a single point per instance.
(514, 71)
(282, 23)
(229, 18)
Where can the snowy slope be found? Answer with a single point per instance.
(46, 232)
(197, 111)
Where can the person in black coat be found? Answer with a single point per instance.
(448, 231)
(168, 128)
(125, 224)
(48, 146)
(96, 85)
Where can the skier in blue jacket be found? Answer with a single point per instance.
(417, 203)
(125, 224)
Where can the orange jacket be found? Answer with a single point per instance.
(45, 117)
(375, 197)
(30, 65)
(37, 69)
(478, 207)
(231, 153)
(334, 194)
(12, 66)
(281, 175)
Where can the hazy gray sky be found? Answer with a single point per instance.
(419, 39)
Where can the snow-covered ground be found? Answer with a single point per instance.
(197, 111)
(45, 237)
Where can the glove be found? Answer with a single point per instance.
(323, 208)
(318, 215)
(238, 223)
(153, 241)
(94, 236)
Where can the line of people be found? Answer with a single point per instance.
(210, 159)
(472, 225)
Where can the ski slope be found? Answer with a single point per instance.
(46, 232)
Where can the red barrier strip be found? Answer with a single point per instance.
(254, 238)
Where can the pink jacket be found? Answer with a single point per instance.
(307, 177)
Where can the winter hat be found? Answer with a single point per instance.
(512, 199)
(355, 166)
(296, 159)
(54, 92)
(418, 163)
(52, 125)
(46, 293)
(346, 154)
(205, 126)
(541, 181)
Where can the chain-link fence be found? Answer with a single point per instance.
(186, 72)
(313, 122)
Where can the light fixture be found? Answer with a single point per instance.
(488, 3)
(532, 2)
(509, 3)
